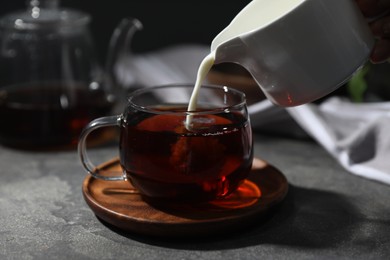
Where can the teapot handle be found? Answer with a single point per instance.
(119, 45)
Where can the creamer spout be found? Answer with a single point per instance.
(232, 51)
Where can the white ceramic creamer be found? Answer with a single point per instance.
(296, 50)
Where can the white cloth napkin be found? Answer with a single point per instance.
(175, 64)
(356, 135)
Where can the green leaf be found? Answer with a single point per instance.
(357, 85)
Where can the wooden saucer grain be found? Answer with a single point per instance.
(116, 203)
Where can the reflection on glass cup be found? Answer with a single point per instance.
(165, 158)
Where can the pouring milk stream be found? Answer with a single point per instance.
(297, 50)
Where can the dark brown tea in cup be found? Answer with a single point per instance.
(48, 115)
(173, 154)
(166, 161)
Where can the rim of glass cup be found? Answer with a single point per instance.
(152, 110)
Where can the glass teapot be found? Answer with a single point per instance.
(51, 84)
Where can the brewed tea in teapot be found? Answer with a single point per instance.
(51, 84)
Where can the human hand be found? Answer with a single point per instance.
(380, 27)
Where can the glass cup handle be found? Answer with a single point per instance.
(82, 147)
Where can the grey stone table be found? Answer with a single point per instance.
(328, 213)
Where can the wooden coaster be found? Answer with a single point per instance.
(116, 203)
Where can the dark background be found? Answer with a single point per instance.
(165, 22)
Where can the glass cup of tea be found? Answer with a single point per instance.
(168, 159)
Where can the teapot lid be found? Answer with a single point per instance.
(44, 14)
